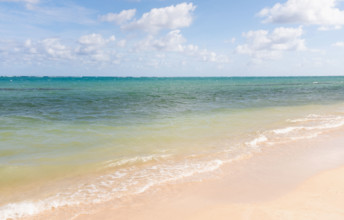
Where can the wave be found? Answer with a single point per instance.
(136, 175)
(308, 127)
(255, 143)
(135, 160)
(123, 182)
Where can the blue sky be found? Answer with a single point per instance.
(171, 38)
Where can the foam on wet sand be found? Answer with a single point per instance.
(300, 181)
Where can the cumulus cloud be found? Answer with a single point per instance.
(175, 42)
(49, 48)
(205, 55)
(171, 17)
(324, 13)
(120, 18)
(55, 49)
(95, 47)
(88, 48)
(95, 39)
(264, 45)
(172, 42)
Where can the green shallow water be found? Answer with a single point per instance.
(78, 121)
(60, 128)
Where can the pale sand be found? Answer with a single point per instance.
(320, 197)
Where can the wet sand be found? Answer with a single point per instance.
(302, 180)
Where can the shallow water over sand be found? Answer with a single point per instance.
(84, 141)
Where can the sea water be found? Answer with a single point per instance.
(83, 141)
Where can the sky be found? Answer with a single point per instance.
(171, 38)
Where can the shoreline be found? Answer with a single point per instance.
(303, 181)
(119, 149)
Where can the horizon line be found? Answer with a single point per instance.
(103, 76)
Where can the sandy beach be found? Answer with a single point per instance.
(246, 148)
(304, 181)
(320, 197)
(171, 110)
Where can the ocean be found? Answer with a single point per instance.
(82, 141)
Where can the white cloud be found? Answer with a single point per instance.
(264, 45)
(175, 42)
(36, 52)
(120, 18)
(317, 12)
(87, 49)
(172, 42)
(29, 46)
(205, 55)
(95, 39)
(172, 17)
(49, 49)
(95, 47)
(338, 44)
(55, 49)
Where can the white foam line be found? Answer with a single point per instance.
(111, 186)
(84, 195)
(333, 124)
(255, 143)
(142, 159)
(324, 122)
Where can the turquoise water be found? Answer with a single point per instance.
(131, 134)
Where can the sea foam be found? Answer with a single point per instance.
(136, 175)
(123, 182)
(308, 127)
